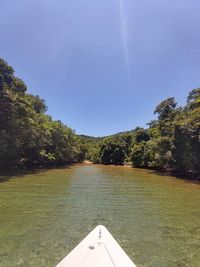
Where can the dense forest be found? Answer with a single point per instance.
(172, 142)
(31, 138)
(28, 136)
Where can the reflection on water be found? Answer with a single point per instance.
(44, 215)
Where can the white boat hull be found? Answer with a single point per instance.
(98, 249)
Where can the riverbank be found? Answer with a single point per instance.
(165, 172)
(18, 171)
(87, 162)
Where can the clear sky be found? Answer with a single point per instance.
(103, 65)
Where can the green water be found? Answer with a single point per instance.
(44, 215)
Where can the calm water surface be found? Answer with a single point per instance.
(155, 219)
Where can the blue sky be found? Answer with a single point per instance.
(102, 66)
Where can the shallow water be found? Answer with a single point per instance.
(43, 215)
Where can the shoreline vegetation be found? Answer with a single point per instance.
(29, 138)
(165, 172)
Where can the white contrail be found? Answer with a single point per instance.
(124, 35)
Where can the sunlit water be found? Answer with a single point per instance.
(43, 215)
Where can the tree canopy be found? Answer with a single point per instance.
(172, 141)
(29, 137)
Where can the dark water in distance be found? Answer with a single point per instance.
(44, 215)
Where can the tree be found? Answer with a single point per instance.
(193, 99)
(142, 135)
(37, 103)
(165, 108)
(113, 151)
(29, 137)
(187, 138)
(138, 155)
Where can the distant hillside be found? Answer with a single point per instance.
(89, 138)
(92, 138)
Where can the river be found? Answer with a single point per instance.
(43, 215)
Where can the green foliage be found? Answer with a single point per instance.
(37, 103)
(29, 137)
(90, 146)
(113, 151)
(187, 142)
(141, 135)
(165, 108)
(175, 138)
(193, 100)
(139, 155)
(172, 142)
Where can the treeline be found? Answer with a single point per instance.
(172, 142)
(28, 136)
